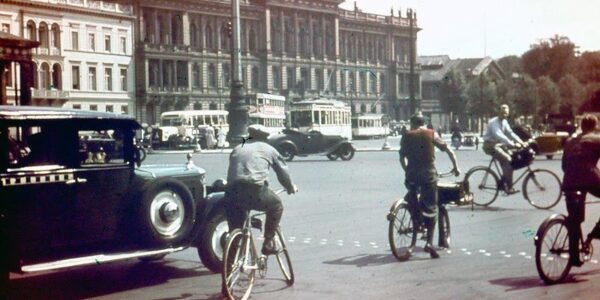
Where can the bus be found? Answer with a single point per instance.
(189, 123)
(369, 125)
(328, 116)
(267, 110)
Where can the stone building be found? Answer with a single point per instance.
(296, 48)
(85, 57)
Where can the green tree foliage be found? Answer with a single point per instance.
(549, 96)
(480, 96)
(451, 92)
(587, 67)
(552, 57)
(571, 93)
(510, 65)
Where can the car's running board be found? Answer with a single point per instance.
(94, 259)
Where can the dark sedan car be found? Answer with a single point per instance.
(292, 143)
(69, 201)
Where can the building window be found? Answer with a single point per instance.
(123, 79)
(92, 78)
(108, 79)
(291, 78)
(107, 43)
(76, 106)
(124, 109)
(123, 44)
(74, 40)
(93, 107)
(276, 78)
(6, 27)
(92, 41)
(212, 76)
(255, 77)
(110, 108)
(75, 77)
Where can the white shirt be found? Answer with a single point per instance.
(498, 131)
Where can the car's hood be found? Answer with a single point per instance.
(155, 171)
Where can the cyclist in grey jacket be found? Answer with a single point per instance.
(247, 187)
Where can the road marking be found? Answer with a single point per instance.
(522, 253)
(323, 241)
(307, 240)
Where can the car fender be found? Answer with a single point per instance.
(338, 146)
(287, 143)
(214, 202)
(537, 237)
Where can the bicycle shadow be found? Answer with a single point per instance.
(269, 285)
(366, 260)
(521, 283)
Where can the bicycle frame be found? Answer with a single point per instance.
(498, 170)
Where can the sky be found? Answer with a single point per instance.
(496, 28)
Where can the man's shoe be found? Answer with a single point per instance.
(511, 191)
(269, 247)
(432, 253)
(575, 262)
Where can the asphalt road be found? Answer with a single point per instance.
(336, 230)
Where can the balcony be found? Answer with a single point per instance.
(50, 94)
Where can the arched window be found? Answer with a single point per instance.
(363, 108)
(149, 28)
(193, 35)
(55, 38)
(212, 76)
(255, 77)
(57, 77)
(45, 76)
(209, 38)
(176, 29)
(161, 39)
(36, 84)
(31, 31)
(43, 34)
(224, 37)
(252, 41)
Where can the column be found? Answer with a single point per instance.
(336, 25)
(142, 28)
(268, 29)
(296, 35)
(156, 27)
(190, 67)
(202, 31)
(169, 15)
(185, 22)
(3, 99)
(311, 35)
(324, 40)
(282, 31)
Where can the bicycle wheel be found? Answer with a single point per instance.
(283, 258)
(552, 250)
(483, 185)
(239, 266)
(443, 227)
(402, 233)
(542, 188)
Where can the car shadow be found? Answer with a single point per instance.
(95, 281)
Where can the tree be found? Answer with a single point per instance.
(549, 97)
(587, 67)
(510, 65)
(451, 92)
(553, 57)
(481, 98)
(571, 93)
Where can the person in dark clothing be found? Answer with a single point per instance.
(417, 158)
(581, 174)
(248, 188)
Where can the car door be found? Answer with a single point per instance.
(103, 178)
(36, 194)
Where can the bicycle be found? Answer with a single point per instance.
(552, 257)
(406, 222)
(240, 260)
(541, 187)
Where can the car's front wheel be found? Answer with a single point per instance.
(166, 214)
(212, 241)
(346, 152)
(287, 152)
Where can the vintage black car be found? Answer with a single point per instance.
(66, 203)
(292, 143)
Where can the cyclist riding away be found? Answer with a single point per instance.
(248, 189)
(417, 158)
(497, 137)
(579, 164)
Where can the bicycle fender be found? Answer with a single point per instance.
(390, 215)
(536, 238)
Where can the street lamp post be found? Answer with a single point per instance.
(238, 112)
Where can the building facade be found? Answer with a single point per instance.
(296, 48)
(85, 58)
